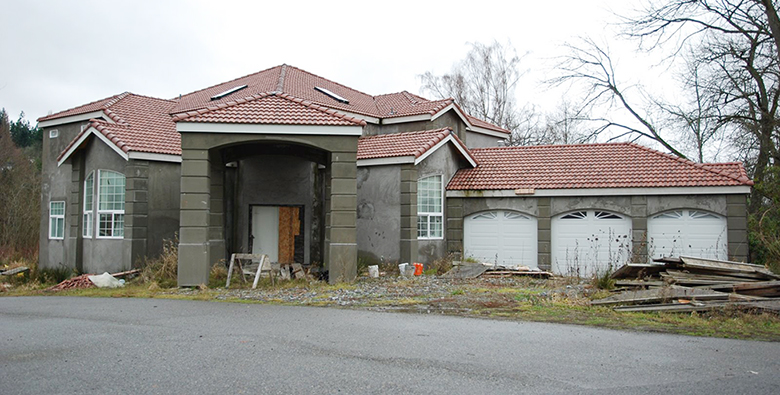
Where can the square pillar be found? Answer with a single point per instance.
(195, 210)
(341, 214)
(136, 211)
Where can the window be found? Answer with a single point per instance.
(57, 220)
(111, 204)
(54, 133)
(89, 205)
(430, 224)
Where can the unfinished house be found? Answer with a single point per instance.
(289, 164)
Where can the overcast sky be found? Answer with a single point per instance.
(60, 54)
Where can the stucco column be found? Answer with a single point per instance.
(455, 227)
(341, 233)
(544, 234)
(736, 221)
(409, 248)
(136, 211)
(639, 240)
(194, 251)
(74, 212)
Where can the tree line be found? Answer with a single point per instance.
(20, 188)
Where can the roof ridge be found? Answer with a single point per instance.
(234, 79)
(262, 95)
(704, 166)
(151, 97)
(282, 74)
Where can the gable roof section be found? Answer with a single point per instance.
(269, 108)
(140, 126)
(408, 147)
(585, 166)
(486, 125)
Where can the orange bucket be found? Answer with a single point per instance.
(418, 269)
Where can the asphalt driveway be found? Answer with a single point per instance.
(60, 345)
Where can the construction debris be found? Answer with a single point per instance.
(687, 284)
(16, 270)
(489, 270)
(77, 282)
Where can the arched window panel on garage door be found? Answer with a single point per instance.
(589, 242)
(501, 237)
(687, 232)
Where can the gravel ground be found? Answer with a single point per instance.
(423, 293)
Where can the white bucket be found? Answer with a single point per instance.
(373, 271)
(402, 269)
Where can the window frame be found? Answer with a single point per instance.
(115, 216)
(424, 222)
(58, 219)
(88, 215)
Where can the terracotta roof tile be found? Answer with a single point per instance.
(404, 144)
(269, 108)
(141, 124)
(96, 105)
(487, 125)
(615, 165)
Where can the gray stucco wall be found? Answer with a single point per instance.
(379, 214)
(638, 208)
(55, 186)
(163, 215)
(479, 140)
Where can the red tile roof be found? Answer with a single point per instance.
(405, 144)
(300, 84)
(269, 108)
(615, 165)
(486, 125)
(97, 105)
(141, 124)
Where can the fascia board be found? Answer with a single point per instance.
(395, 160)
(408, 118)
(152, 156)
(717, 190)
(330, 130)
(493, 133)
(440, 144)
(87, 133)
(75, 118)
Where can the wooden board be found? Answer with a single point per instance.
(289, 227)
(466, 271)
(727, 266)
(659, 295)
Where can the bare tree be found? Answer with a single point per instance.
(483, 84)
(590, 66)
(737, 48)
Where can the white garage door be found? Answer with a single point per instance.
(501, 237)
(687, 232)
(589, 242)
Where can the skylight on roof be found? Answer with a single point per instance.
(227, 92)
(332, 95)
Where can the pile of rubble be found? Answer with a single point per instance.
(687, 284)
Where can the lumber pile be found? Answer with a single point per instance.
(489, 270)
(687, 284)
(81, 281)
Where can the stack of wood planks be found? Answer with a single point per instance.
(488, 270)
(688, 284)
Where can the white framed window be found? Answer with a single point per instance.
(57, 220)
(89, 205)
(430, 212)
(54, 133)
(111, 205)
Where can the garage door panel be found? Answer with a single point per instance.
(501, 237)
(688, 232)
(589, 242)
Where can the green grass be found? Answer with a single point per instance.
(525, 302)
